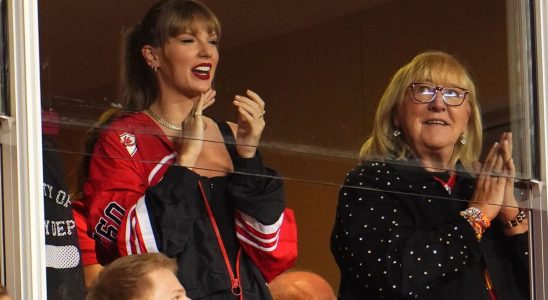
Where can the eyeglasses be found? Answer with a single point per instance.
(426, 93)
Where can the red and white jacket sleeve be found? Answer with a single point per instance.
(136, 235)
(273, 248)
(266, 230)
(116, 181)
(157, 218)
(87, 243)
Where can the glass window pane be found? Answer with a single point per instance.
(321, 68)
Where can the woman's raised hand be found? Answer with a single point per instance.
(189, 144)
(250, 123)
(506, 149)
(492, 180)
(509, 209)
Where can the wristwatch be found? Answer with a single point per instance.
(522, 215)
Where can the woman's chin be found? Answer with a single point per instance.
(195, 93)
(439, 146)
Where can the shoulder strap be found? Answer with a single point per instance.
(229, 139)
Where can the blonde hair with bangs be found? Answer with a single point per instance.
(165, 20)
(434, 66)
(182, 16)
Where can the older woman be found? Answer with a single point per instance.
(411, 222)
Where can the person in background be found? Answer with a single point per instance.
(412, 222)
(148, 276)
(64, 273)
(300, 285)
(169, 179)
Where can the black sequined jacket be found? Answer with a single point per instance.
(398, 235)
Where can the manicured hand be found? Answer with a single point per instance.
(189, 144)
(250, 123)
(491, 183)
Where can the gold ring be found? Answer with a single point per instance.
(197, 114)
(262, 114)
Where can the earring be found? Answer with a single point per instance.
(462, 139)
(397, 132)
(154, 68)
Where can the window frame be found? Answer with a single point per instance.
(539, 201)
(22, 183)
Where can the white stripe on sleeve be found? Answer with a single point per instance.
(255, 245)
(271, 240)
(159, 165)
(129, 230)
(264, 229)
(147, 235)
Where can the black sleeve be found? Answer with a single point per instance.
(64, 270)
(379, 248)
(256, 190)
(519, 245)
(172, 206)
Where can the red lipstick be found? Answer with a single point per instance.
(202, 71)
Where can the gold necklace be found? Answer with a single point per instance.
(163, 122)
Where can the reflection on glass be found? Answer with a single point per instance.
(320, 74)
(411, 220)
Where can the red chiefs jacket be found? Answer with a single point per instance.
(229, 234)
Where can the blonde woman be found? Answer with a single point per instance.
(411, 222)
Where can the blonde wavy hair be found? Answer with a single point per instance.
(434, 66)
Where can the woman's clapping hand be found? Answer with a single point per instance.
(251, 110)
(189, 144)
(495, 179)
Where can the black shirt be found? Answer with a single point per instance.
(398, 235)
(64, 272)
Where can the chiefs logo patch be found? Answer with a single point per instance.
(128, 140)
